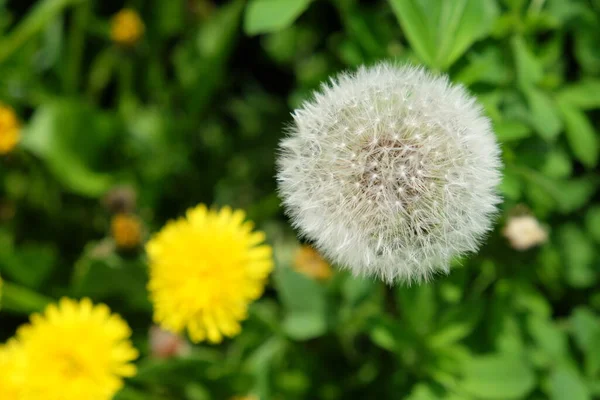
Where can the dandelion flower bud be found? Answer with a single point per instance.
(524, 232)
(391, 171)
(10, 129)
(126, 28)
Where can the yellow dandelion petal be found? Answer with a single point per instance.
(11, 370)
(75, 350)
(10, 129)
(205, 270)
(310, 263)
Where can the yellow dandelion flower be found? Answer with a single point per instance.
(205, 269)
(310, 263)
(10, 129)
(11, 371)
(127, 27)
(75, 351)
(126, 229)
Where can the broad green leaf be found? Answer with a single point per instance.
(507, 131)
(72, 138)
(304, 325)
(566, 383)
(557, 164)
(28, 264)
(415, 25)
(498, 376)
(417, 305)
(592, 222)
(529, 69)
(264, 16)
(299, 293)
(544, 116)
(456, 324)
(551, 340)
(578, 255)
(581, 135)
(584, 94)
(440, 32)
(585, 327)
(356, 289)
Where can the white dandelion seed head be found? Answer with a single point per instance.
(391, 171)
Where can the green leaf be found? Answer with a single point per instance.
(578, 254)
(103, 275)
(592, 222)
(581, 135)
(585, 328)
(557, 164)
(440, 32)
(414, 23)
(507, 131)
(37, 18)
(529, 69)
(355, 289)
(544, 116)
(566, 383)
(549, 338)
(584, 94)
(71, 138)
(304, 325)
(305, 303)
(21, 300)
(264, 16)
(28, 264)
(417, 304)
(299, 293)
(498, 376)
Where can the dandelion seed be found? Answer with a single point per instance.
(433, 143)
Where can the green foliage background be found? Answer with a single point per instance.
(193, 114)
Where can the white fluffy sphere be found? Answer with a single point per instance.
(391, 171)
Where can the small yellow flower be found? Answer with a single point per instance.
(10, 129)
(127, 27)
(11, 371)
(205, 269)
(126, 229)
(310, 263)
(75, 351)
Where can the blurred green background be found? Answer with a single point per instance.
(191, 110)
